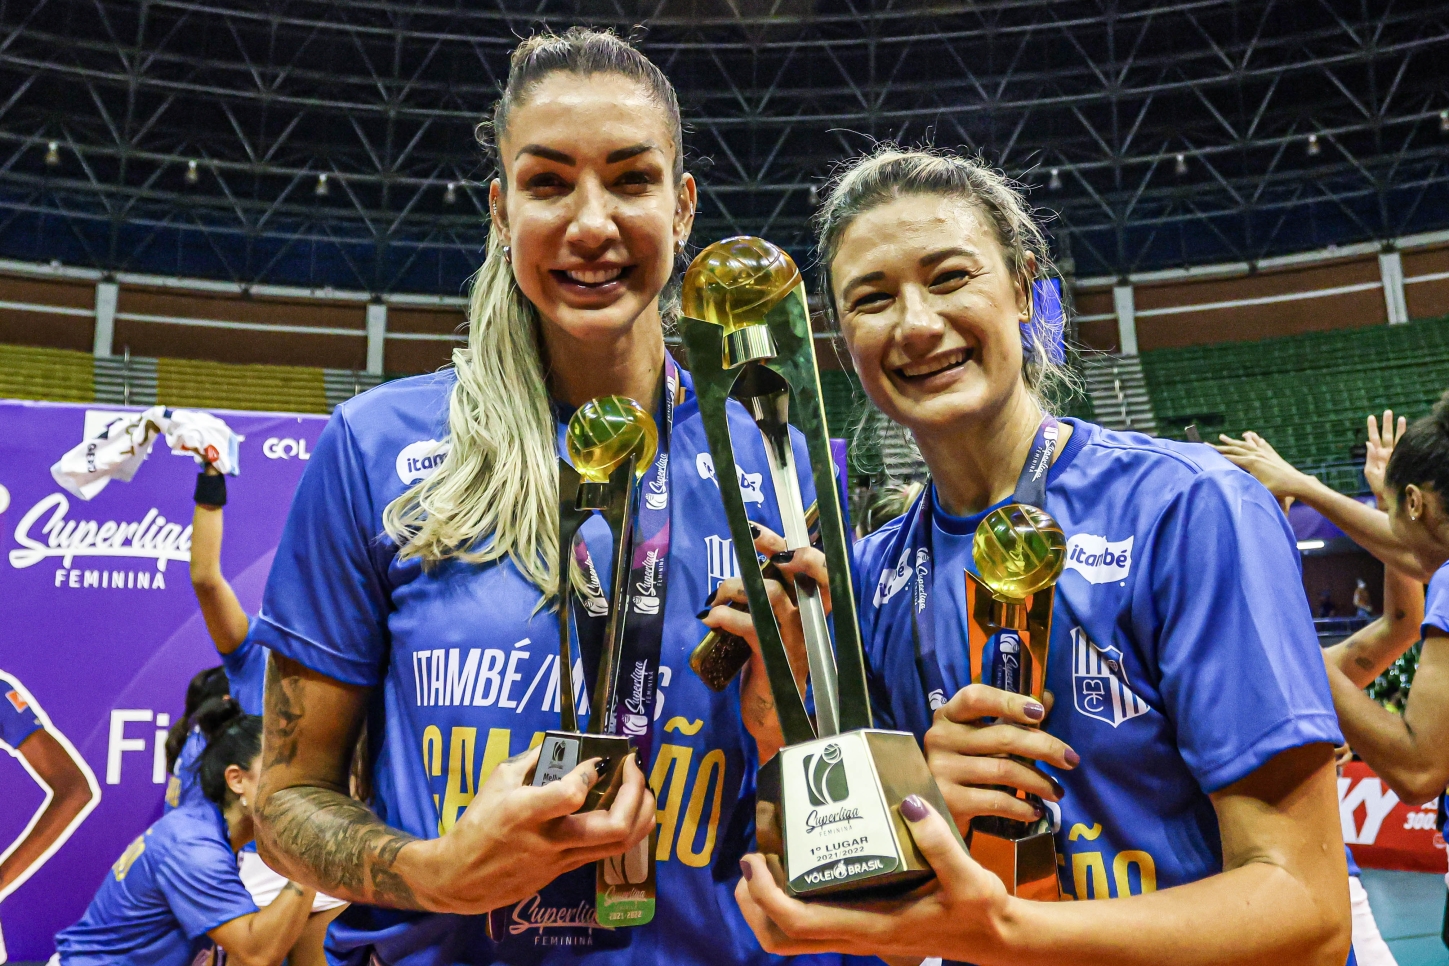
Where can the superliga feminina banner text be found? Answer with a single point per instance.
(100, 631)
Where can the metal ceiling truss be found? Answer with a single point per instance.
(321, 143)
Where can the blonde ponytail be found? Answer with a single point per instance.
(496, 494)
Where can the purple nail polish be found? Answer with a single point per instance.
(1034, 710)
(783, 557)
(703, 614)
(746, 870)
(1073, 759)
(913, 808)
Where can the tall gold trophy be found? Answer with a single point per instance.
(1019, 551)
(829, 801)
(612, 442)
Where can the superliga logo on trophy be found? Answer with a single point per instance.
(828, 803)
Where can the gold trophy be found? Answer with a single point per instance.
(828, 803)
(612, 442)
(1019, 551)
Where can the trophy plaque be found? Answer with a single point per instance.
(1019, 551)
(829, 802)
(612, 441)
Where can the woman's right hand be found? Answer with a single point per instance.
(757, 703)
(1379, 446)
(972, 759)
(514, 839)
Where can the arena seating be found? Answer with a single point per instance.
(59, 375)
(1306, 394)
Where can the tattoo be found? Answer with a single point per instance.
(293, 888)
(284, 712)
(348, 849)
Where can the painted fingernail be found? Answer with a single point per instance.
(639, 758)
(1040, 812)
(1073, 759)
(703, 614)
(754, 530)
(783, 557)
(709, 601)
(1034, 710)
(1057, 787)
(913, 808)
(602, 766)
(745, 869)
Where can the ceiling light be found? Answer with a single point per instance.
(322, 186)
(814, 195)
(1181, 166)
(451, 195)
(192, 175)
(1313, 147)
(1444, 121)
(1055, 184)
(52, 154)
(1311, 544)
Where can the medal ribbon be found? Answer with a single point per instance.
(643, 640)
(918, 555)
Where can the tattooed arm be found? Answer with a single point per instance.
(510, 842)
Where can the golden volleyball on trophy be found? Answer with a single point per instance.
(1019, 549)
(606, 431)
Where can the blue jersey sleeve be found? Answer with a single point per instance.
(1436, 604)
(326, 598)
(1222, 600)
(246, 669)
(199, 879)
(18, 719)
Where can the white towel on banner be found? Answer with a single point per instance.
(125, 443)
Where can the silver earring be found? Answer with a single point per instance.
(244, 801)
(508, 254)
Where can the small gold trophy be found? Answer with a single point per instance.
(1019, 551)
(829, 801)
(612, 442)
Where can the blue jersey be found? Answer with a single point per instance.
(18, 717)
(183, 787)
(167, 890)
(1183, 655)
(465, 673)
(246, 672)
(1436, 603)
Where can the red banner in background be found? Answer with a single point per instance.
(1383, 832)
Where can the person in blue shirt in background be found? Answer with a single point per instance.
(176, 889)
(244, 662)
(415, 586)
(1190, 753)
(185, 742)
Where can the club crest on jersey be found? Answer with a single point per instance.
(749, 482)
(720, 560)
(656, 494)
(1100, 560)
(892, 580)
(1099, 682)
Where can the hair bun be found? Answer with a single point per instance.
(215, 714)
(1440, 413)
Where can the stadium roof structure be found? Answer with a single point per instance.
(316, 143)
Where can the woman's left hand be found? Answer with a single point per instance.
(962, 914)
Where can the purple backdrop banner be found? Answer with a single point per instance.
(104, 638)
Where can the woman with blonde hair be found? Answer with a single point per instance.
(1187, 764)
(415, 586)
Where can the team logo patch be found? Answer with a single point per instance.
(720, 560)
(16, 701)
(420, 460)
(891, 581)
(1099, 682)
(749, 482)
(1100, 560)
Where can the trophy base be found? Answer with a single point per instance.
(624, 885)
(1026, 865)
(830, 809)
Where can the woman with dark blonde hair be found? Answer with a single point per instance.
(1187, 764)
(416, 583)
